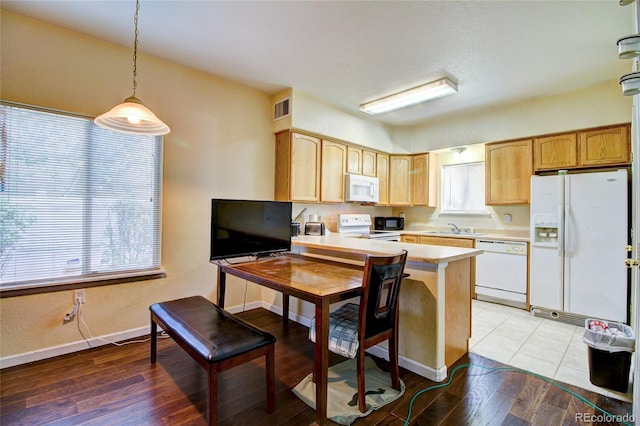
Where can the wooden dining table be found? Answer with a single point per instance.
(318, 281)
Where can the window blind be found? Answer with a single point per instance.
(76, 200)
(463, 188)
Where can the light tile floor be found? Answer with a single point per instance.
(545, 347)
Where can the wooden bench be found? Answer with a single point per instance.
(214, 338)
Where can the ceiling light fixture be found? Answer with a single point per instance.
(625, 2)
(131, 116)
(416, 95)
(630, 84)
(629, 46)
(459, 150)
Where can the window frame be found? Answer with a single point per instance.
(119, 274)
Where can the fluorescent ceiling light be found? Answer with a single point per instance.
(416, 95)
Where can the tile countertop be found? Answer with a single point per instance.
(416, 252)
(479, 235)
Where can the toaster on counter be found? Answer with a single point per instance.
(314, 228)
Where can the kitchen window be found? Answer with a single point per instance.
(463, 188)
(78, 203)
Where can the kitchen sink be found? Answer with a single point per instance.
(461, 233)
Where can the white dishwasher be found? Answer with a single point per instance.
(501, 272)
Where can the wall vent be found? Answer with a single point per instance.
(281, 109)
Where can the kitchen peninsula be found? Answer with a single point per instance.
(435, 301)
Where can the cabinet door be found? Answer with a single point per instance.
(424, 190)
(446, 241)
(354, 160)
(508, 172)
(555, 152)
(334, 158)
(305, 168)
(368, 163)
(609, 146)
(382, 167)
(400, 182)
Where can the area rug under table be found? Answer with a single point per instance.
(342, 389)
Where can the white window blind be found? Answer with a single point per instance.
(76, 201)
(463, 188)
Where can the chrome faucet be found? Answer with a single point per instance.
(454, 228)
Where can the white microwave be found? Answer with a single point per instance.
(361, 189)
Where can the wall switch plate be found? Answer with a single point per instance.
(506, 218)
(432, 216)
(79, 294)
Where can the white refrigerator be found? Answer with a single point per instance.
(579, 230)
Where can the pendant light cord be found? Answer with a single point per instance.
(135, 47)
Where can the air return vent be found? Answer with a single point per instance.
(281, 109)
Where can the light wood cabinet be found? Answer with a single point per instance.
(369, 163)
(400, 180)
(453, 242)
(297, 171)
(334, 160)
(382, 167)
(354, 160)
(600, 147)
(555, 152)
(508, 169)
(446, 241)
(608, 146)
(361, 161)
(424, 180)
(410, 238)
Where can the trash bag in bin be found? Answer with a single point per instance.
(608, 336)
(610, 347)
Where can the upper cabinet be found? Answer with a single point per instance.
(382, 167)
(361, 161)
(555, 152)
(334, 160)
(424, 172)
(354, 160)
(369, 160)
(400, 180)
(297, 171)
(508, 172)
(601, 147)
(609, 146)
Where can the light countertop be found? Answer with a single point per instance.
(416, 252)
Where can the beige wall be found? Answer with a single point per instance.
(214, 125)
(599, 105)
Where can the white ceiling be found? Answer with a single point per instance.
(349, 52)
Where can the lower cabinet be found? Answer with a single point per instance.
(447, 241)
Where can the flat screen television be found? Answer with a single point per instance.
(249, 228)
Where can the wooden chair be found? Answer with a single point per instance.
(354, 328)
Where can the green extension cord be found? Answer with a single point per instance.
(511, 369)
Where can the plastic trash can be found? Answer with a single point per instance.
(610, 347)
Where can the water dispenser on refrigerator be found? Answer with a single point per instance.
(545, 229)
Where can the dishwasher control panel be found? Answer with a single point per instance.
(509, 247)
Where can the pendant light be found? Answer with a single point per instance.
(131, 116)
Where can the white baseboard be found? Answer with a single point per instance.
(67, 348)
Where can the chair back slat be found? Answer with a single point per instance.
(380, 288)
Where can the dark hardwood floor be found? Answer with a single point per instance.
(113, 385)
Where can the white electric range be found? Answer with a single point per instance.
(359, 225)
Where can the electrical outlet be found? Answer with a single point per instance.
(79, 295)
